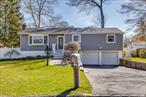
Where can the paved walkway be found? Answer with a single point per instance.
(119, 81)
(55, 62)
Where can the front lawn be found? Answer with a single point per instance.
(138, 59)
(32, 77)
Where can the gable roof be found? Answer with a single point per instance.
(87, 30)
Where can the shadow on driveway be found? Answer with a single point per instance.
(101, 66)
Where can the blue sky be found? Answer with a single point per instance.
(81, 19)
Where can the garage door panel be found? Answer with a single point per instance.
(109, 58)
(90, 58)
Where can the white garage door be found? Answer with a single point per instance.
(109, 58)
(90, 58)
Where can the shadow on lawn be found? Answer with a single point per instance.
(34, 68)
(66, 92)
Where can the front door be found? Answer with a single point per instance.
(60, 41)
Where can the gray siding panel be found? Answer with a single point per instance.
(52, 39)
(68, 38)
(98, 42)
(88, 42)
(26, 47)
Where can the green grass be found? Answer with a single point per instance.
(138, 59)
(32, 77)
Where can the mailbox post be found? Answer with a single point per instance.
(75, 63)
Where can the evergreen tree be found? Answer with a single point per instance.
(10, 22)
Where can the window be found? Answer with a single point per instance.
(111, 38)
(76, 38)
(38, 40)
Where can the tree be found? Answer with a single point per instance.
(136, 11)
(10, 22)
(39, 10)
(90, 5)
(57, 21)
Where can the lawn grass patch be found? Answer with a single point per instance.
(143, 60)
(33, 77)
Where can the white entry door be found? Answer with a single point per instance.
(60, 41)
(90, 58)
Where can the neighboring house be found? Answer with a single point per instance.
(133, 46)
(137, 45)
(99, 46)
(137, 42)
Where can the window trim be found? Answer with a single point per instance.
(78, 36)
(110, 35)
(39, 43)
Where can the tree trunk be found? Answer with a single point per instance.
(101, 14)
(102, 17)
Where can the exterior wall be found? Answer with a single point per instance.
(98, 42)
(88, 42)
(24, 45)
(68, 38)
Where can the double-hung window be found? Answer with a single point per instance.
(111, 38)
(76, 38)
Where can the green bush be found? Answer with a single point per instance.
(138, 50)
(142, 53)
(134, 53)
(124, 53)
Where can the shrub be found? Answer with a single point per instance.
(73, 47)
(138, 50)
(134, 53)
(124, 53)
(40, 57)
(142, 53)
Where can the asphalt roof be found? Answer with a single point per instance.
(70, 30)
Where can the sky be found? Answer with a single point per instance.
(80, 19)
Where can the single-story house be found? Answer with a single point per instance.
(99, 46)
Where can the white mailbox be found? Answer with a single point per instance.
(76, 60)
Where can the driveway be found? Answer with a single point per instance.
(117, 81)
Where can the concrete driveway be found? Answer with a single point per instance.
(117, 81)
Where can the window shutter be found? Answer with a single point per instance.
(45, 39)
(30, 39)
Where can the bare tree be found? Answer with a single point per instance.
(136, 11)
(39, 10)
(58, 22)
(90, 5)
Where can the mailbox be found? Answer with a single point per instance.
(76, 60)
(75, 63)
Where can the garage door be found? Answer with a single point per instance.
(90, 58)
(109, 58)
